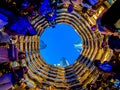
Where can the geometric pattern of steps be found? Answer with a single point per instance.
(82, 71)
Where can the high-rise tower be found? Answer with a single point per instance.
(78, 45)
(42, 45)
(64, 62)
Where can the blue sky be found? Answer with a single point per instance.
(60, 43)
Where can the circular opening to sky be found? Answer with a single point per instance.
(60, 46)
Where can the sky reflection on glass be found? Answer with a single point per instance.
(61, 41)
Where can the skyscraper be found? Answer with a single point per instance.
(64, 62)
(78, 45)
(42, 45)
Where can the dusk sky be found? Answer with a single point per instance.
(60, 43)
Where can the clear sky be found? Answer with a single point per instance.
(60, 43)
